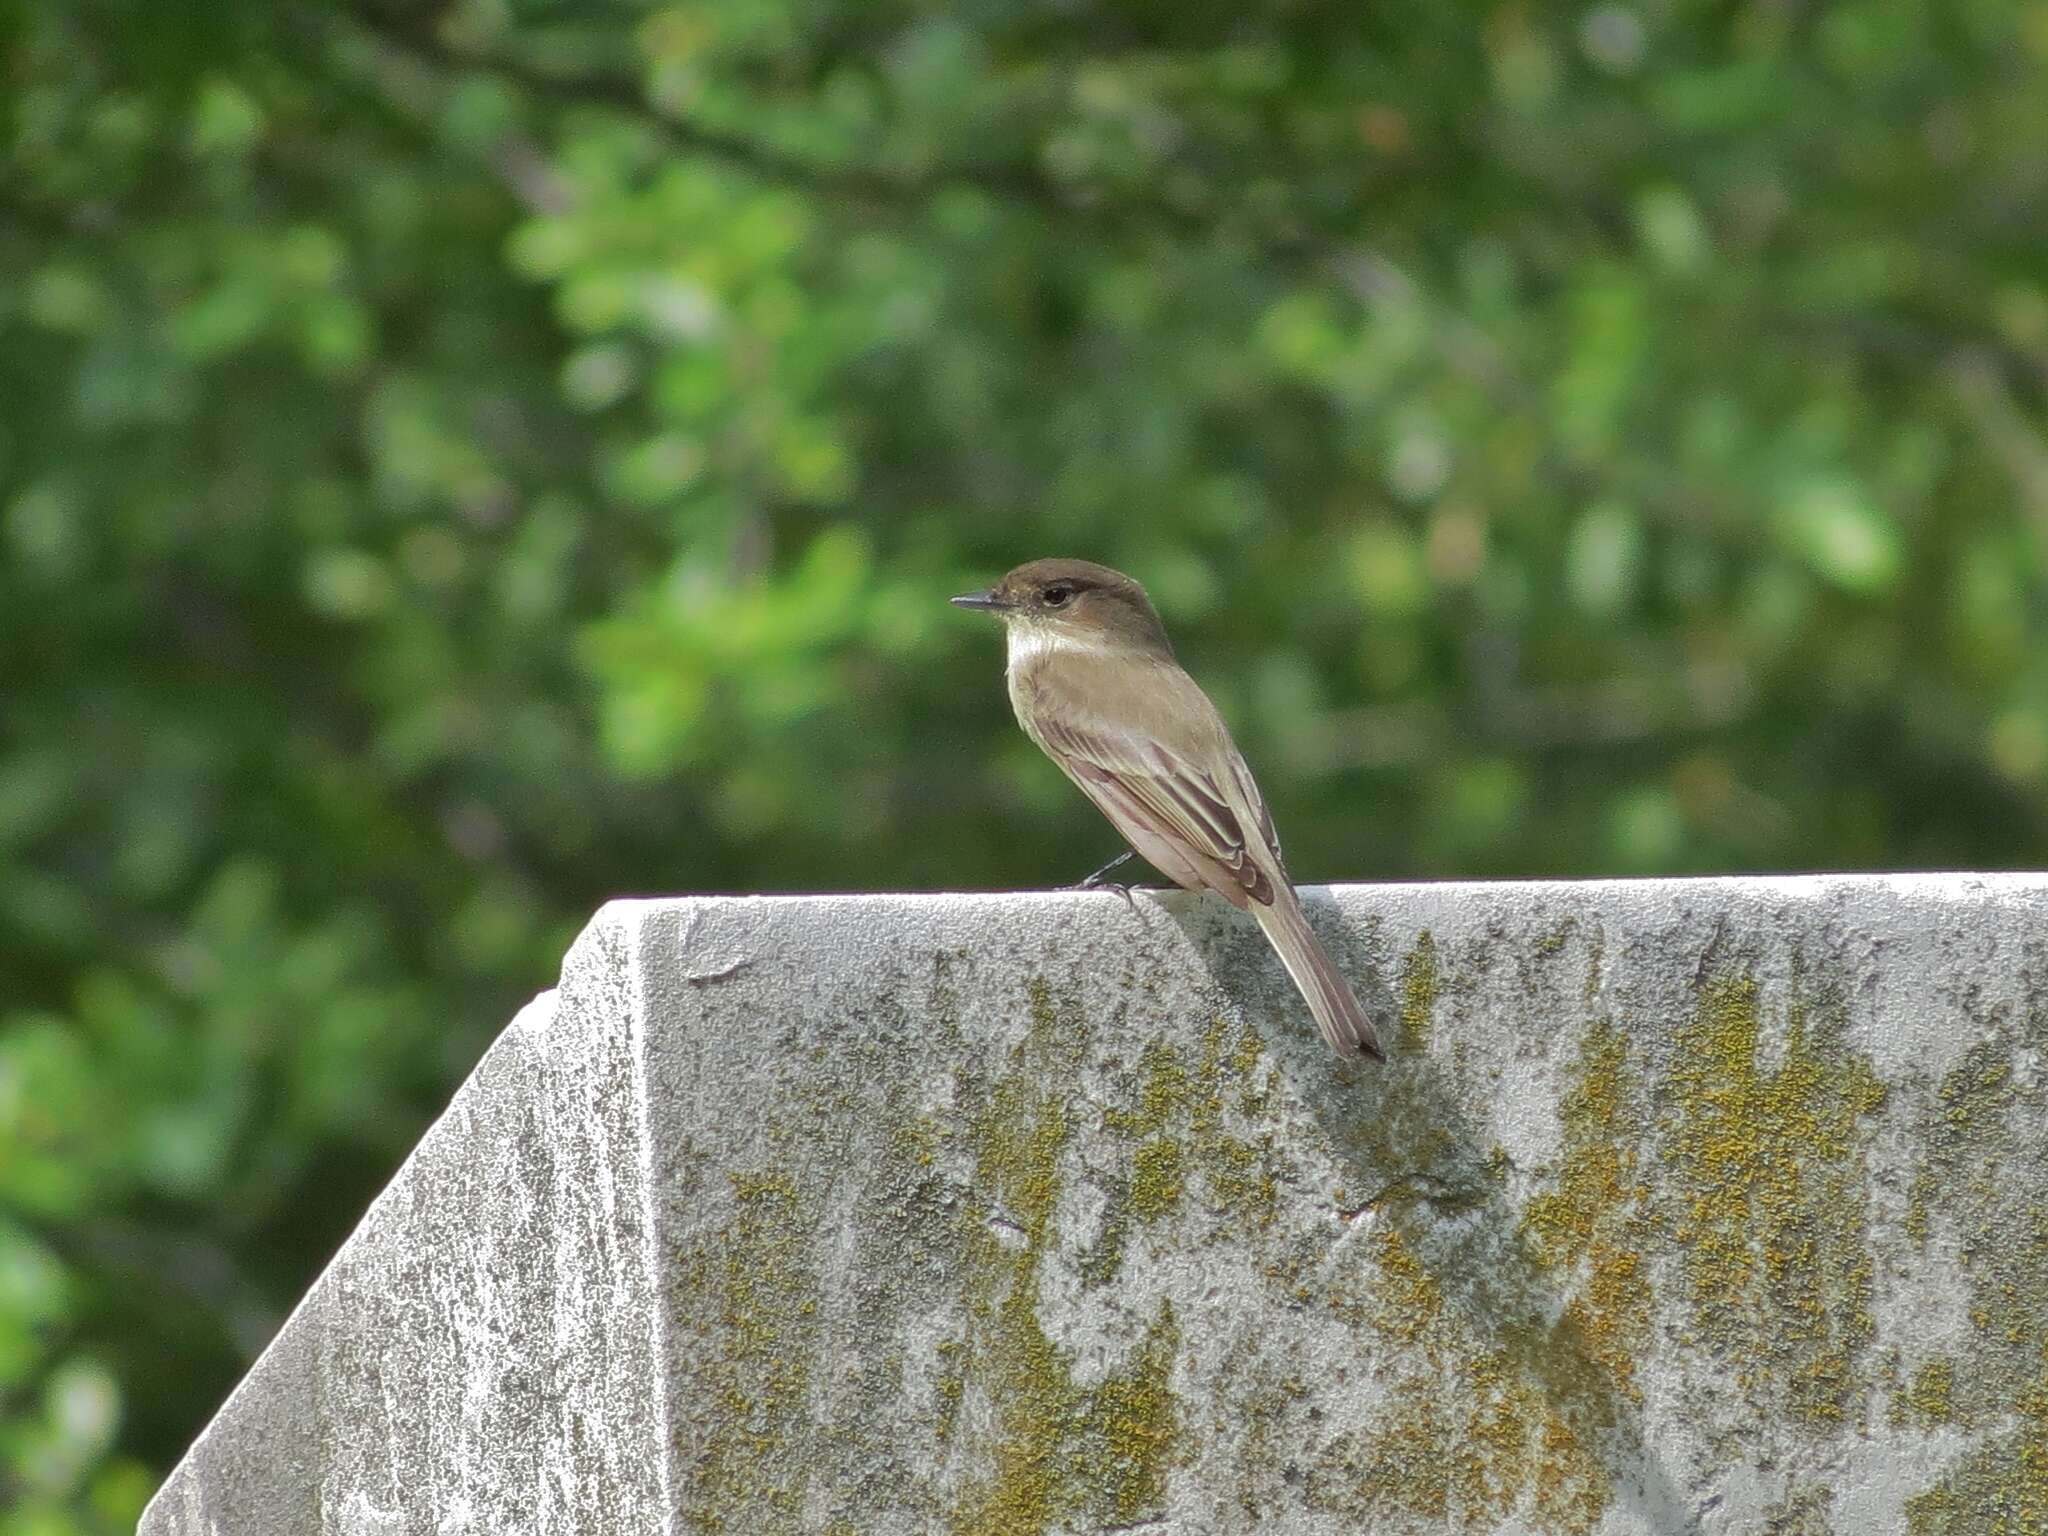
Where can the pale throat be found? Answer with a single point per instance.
(1029, 645)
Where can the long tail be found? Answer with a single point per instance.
(1328, 995)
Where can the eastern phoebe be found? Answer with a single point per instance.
(1094, 683)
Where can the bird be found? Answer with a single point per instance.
(1094, 683)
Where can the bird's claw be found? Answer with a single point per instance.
(1095, 882)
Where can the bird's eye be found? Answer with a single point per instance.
(1057, 597)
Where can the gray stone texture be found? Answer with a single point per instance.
(1682, 1206)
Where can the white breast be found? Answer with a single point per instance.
(1028, 645)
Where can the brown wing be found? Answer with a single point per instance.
(1191, 808)
(1175, 856)
(1172, 809)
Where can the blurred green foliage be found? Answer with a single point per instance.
(460, 464)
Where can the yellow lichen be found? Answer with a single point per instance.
(1504, 1396)
(1419, 984)
(1803, 1511)
(1918, 1195)
(1155, 1178)
(1468, 1436)
(1126, 1429)
(946, 1390)
(1591, 1222)
(755, 1299)
(1929, 1398)
(1255, 1088)
(2000, 1489)
(1054, 1448)
(1018, 1139)
(1178, 1119)
(1409, 1295)
(1980, 1169)
(1769, 1205)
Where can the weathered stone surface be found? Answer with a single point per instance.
(1707, 1206)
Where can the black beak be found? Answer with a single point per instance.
(978, 600)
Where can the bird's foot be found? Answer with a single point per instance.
(1095, 882)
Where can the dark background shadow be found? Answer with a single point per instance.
(1413, 1155)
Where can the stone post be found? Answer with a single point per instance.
(1681, 1206)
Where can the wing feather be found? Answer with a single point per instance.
(1161, 793)
(1190, 807)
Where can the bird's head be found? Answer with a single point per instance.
(1075, 603)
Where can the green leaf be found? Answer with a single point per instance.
(1846, 538)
